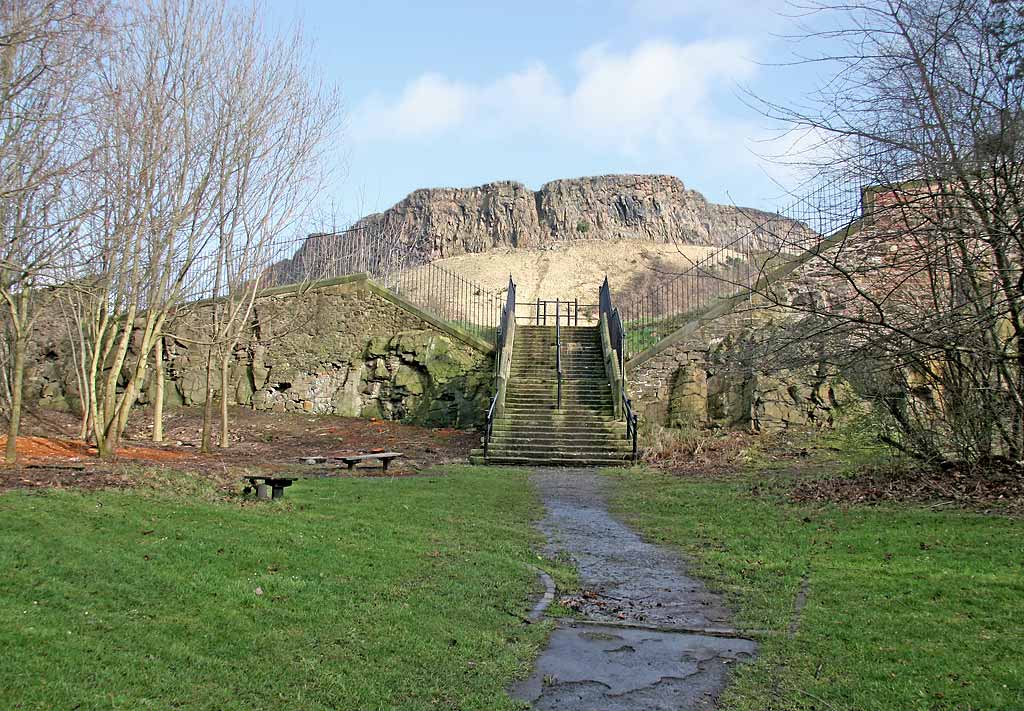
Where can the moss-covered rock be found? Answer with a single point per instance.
(409, 380)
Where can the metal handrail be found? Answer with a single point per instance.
(500, 336)
(617, 337)
(489, 426)
(558, 349)
(540, 311)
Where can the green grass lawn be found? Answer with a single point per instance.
(349, 594)
(907, 608)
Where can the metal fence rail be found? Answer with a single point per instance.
(771, 240)
(452, 297)
(508, 320)
(319, 257)
(617, 337)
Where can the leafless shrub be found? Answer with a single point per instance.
(921, 298)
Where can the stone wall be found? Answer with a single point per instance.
(707, 376)
(346, 348)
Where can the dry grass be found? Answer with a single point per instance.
(575, 270)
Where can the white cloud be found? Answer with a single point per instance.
(659, 94)
(661, 90)
(428, 105)
(713, 13)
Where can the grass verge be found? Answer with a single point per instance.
(905, 608)
(348, 594)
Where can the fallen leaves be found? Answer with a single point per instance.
(1001, 488)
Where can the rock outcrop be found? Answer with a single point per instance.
(342, 349)
(443, 222)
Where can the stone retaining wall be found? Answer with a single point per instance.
(345, 347)
(708, 377)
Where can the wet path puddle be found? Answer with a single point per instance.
(652, 637)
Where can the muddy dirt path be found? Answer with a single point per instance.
(652, 637)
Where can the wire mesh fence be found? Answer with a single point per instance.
(769, 241)
(324, 256)
(452, 297)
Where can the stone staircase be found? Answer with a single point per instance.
(532, 430)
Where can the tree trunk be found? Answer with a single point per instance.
(204, 446)
(158, 397)
(17, 382)
(85, 427)
(224, 399)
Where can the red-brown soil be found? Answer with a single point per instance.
(37, 450)
(51, 456)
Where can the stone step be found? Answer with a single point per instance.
(553, 461)
(552, 453)
(594, 370)
(549, 411)
(549, 358)
(558, 443)
(550, 390)
(551, 403)
(604, 424)
(549, 421)
(549, 346)
(549, 414)
(533, 429)
(550, 362)
(575, 385)
(567, 345)
(552, 374)
(587, 433)
(546, 361)
(550, 353)
(508, 440)
(549, 337)
(543, 379)
(580, 332)
(550, 418)
(528, 385)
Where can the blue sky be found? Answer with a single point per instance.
(464, 93)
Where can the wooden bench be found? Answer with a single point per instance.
(277, 485)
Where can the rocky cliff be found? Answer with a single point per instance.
(443, 222)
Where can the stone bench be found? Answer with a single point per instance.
(352, 459)
(260, 484)
(384, 457)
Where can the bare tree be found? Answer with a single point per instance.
(922, 294)
(213, 132)
(278, 120)
(157, 175)
(48, 51)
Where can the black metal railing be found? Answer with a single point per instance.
(558, 350)
(319, 257)
(508, 317)
(617, 338)
(454, 298)
(734, 267)
(539, 311)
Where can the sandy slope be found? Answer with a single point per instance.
(575, 270)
